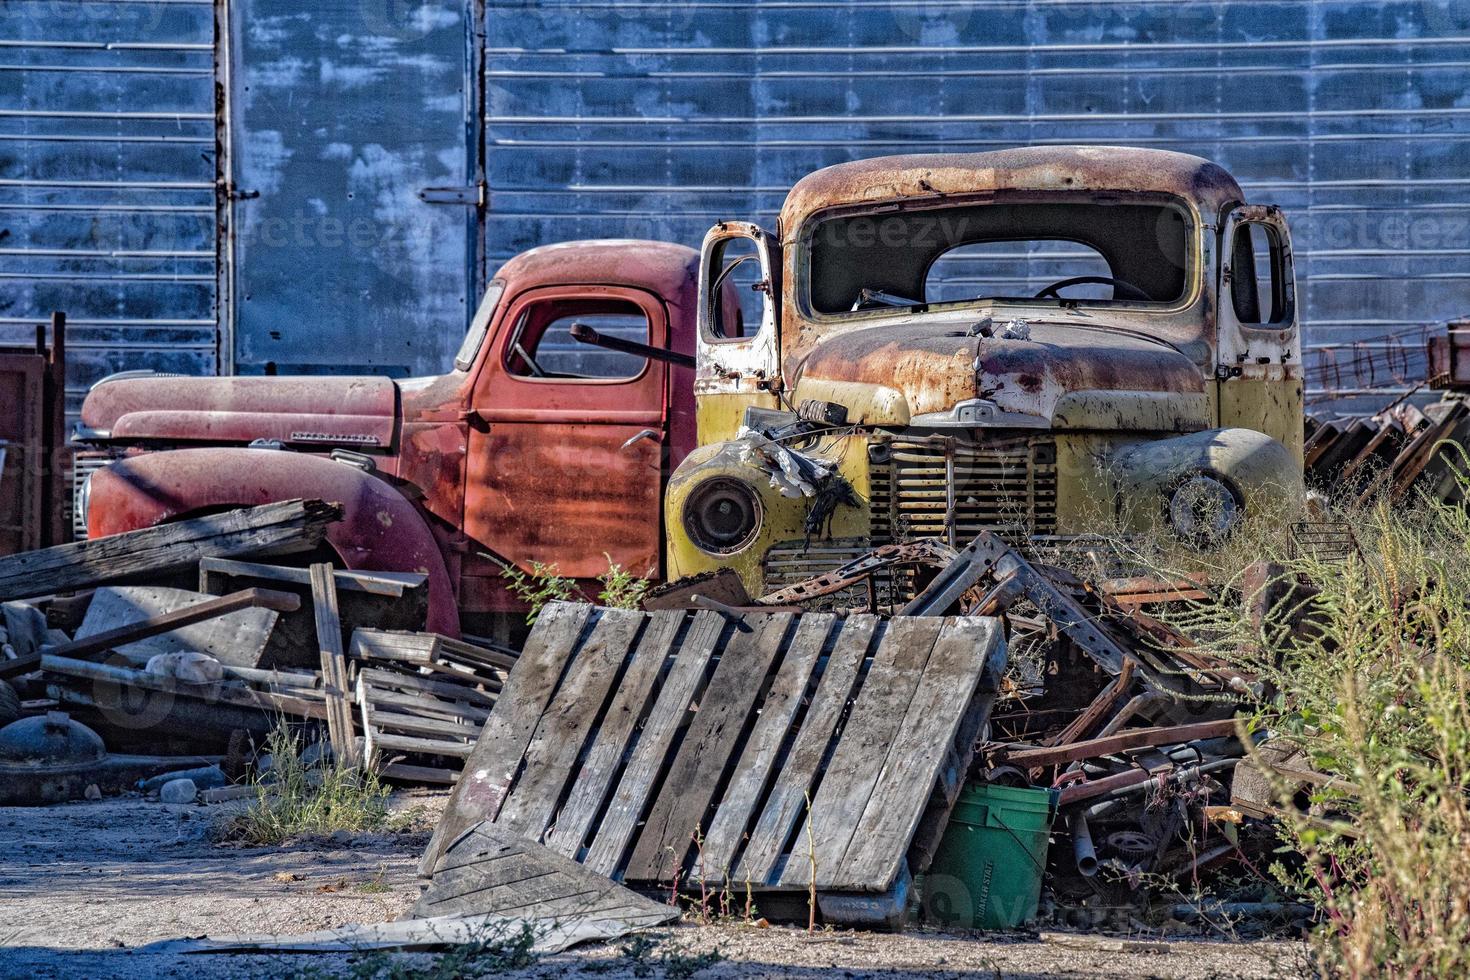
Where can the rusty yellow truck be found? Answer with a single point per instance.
(1045, 342)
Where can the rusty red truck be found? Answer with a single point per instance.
(549, 441)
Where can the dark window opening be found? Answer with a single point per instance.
(1016, 269)
(735, 274)
(542, 345)
(1000, 251)
(1258, 275)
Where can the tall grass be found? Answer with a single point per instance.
(295, 799)
(1369, 673)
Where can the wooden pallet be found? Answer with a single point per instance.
(414, 724)
(773, 752)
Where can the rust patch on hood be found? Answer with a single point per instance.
(936, 366)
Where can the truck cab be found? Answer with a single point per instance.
(550, 440)
(1046, 342)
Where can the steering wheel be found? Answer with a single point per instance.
(1122, 289)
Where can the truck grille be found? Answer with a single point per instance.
(953, 488)
(790, 562)
(84, 463)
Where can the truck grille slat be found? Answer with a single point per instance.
(954, 487)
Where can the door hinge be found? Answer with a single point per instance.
(474, 196)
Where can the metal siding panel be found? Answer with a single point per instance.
(343, 112)
(107, 168)
(658, 118)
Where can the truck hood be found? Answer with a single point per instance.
(317, 411)
(1063, 374)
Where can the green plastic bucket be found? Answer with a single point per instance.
(987, 871)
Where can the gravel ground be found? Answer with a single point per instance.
(83, 884)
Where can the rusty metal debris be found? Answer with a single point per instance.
(1133, 727)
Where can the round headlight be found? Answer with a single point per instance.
(1204, 509)
(722, 516)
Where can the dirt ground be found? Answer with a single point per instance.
(83, 884)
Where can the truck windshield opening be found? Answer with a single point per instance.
(1088, 252)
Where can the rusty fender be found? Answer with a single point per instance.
(380, 529)
(1266, 476)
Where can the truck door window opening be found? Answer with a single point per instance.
(1147, 245)
(542, 345)
(736, 270)
(1257, 274)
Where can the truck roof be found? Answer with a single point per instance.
(671, 271)
(1118, 169)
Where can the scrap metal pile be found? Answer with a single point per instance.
(1134, 728)
(1405, 448)
(178, 647)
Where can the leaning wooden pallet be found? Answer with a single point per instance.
(773, 752)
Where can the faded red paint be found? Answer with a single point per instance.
(472, 469)
(303, 411)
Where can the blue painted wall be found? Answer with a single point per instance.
(655, 119)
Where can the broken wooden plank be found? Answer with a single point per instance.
(594, 779)
(678, 814)
(758, 759)
(950, 681)
(566, 722)
(292, 525)
(334, 665)
(861, 751)
(390, 584)
(491, 871)
(788, 798)
(493, 763)
(613, 837)
(428, 650)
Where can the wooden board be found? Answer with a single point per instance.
(594, 778)
(673, 825)
(665, 721)
(238, 638)
(497, 755)
(292, 525)
(788, 799)
(334, 665)
(925, 734)
(852, 775)
(563, 728)
(490, 871)
(655, 767)
(758, 758)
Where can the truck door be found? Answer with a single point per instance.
(565, 452)
(1259, 366)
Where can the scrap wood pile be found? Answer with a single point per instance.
(1402, 450)
(171, 648)
(828, 766)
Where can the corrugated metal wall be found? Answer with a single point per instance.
(655, 119)
(107, 182)
(342, 112)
